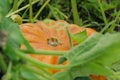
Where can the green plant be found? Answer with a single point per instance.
(98, 54)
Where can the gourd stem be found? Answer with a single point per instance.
(40, 10)
(8, 15)
(39, 63)
(45, 52)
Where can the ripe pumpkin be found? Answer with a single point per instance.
(50, 35)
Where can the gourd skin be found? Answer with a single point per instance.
(38, 34)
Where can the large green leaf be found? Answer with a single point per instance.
(82, 48)
(96, 57)
(108, 45)
(90, 68)
(108, 48)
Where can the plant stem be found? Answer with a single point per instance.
(30, 11)
(61, 13)
(102, 11)
(39, 63)
(70, 40)
(53, 12)
(45, 52)
(75, 12)
(24, 14)
(15, 5)
(26, 43)
(3, 65)
(40, 10)
(8, 15)
(39, 72)
(7, 76)
(113, 25)
(106, 27)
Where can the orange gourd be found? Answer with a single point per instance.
(50, 35)
(99, 77)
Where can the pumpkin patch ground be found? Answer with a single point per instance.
(59, 40)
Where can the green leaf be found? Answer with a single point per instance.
(108, 46)
(110, 49)
(14, 39)
(90, 68)
(79, 37)
(61, 60)
(70, 75)
(65, 75)
(4, 7)
(82, 48)
(97, 58)
(116, 66)
(16, 71)
(28, 75)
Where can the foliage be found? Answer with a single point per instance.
(4, 9)
(98, 54)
